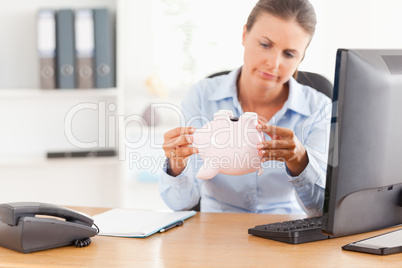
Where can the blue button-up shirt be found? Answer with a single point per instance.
(306, 111)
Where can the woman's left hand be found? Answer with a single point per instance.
(284, 147)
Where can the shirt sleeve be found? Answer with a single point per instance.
(310, 184)
(183, 191)
(180, 192)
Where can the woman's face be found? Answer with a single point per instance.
(273, 49)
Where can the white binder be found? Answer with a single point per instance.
(84, 47)
(46, 46)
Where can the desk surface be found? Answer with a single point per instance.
(205, 240)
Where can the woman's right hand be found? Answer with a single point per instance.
(177, 146)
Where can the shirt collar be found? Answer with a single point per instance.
(228, 88)
(296, 101)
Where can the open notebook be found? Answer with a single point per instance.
(137, 223)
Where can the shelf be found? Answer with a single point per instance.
(76, 162)
(57, 93)
(39, 120)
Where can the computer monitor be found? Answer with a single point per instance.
(364, 175)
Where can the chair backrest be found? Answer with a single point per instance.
(314, 80)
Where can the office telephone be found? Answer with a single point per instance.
(32, 226)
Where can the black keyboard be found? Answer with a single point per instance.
(292, 232)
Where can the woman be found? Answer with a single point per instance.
(275, 39)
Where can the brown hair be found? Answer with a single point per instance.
(300, 10)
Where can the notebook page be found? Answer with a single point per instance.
(136, 223)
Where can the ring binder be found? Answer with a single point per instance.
(104, 55)
(65, 48)
(46, 45)
(84, 47)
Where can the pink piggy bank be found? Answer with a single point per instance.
(228, 145)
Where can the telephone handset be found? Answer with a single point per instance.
(26, 226)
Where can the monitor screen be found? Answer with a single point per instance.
(364, 176)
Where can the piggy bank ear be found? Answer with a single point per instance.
(206, 173)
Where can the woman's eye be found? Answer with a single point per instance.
(265, 45)
(289, 54)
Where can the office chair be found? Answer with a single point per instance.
(316, 81)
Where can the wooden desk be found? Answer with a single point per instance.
(205, 240)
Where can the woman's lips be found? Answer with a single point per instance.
(267, 75)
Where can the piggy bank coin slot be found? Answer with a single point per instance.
(234, 119)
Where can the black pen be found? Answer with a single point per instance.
(176, 224)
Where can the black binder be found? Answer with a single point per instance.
(65, 56)
(104, 49)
